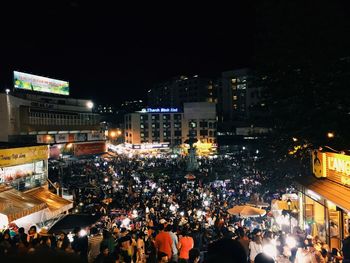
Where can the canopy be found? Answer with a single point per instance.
(15, 204)
(257, 203)
(55, 203)
(246, 211)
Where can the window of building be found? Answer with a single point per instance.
(192, 124)
(178, 133)
(177, 116)
(166, 134)
(177, 125)
(233, 80)
(203, 124)
(155, 117)
(177, 141)
(211, 133)
(203, 132)
(144, 117)
(155, 134)
(155, 125)
(166, 116)
(234, 97)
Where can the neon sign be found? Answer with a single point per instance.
(160, 110)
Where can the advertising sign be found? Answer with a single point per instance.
(25, 81)
(95, 136)
(59, 138)
(45, 139)
(334, 166)
(15, 156)
(89, 148)
(80, 137)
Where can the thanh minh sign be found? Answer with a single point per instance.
(334, 166)
(160, 110)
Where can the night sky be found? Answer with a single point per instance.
(111, 53)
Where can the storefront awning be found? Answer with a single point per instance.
(55, 203)
(15, 204)
(336, 193)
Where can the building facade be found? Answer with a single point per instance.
(171, 126)
(65, 123)
(24, 196)
(236, 95)
(177, 91)
(325, 198)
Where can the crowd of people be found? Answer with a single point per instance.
(150, 213)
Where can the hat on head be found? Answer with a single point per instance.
(44, 232)
(162, 221)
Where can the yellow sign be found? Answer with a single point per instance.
(16, 156)
(334, 166)
(318, 166)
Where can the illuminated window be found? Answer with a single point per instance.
(234, 97)
(233, 80)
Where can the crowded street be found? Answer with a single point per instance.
(138, 198)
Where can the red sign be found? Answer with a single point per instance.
(89, 148)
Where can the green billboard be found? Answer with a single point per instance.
(25, 81)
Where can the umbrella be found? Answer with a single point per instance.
(190, 177)
(257, 203)
(246, 211)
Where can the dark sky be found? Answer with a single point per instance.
(112, 53)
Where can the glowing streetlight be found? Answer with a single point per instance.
(7, 91)
(113, 134)
(90, 104)
(330, 135)
(295, 139)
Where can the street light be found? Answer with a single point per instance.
(289, 202)
(330, 135)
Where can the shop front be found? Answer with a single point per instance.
(325, 198)
(24, 197)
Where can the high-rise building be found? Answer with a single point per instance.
(236, 95)
(171, 126)
(175, 92)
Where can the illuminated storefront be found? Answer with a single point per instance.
(24, 196)
(326, 198)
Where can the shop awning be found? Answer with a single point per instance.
(336, 193)
(15, 204)
(55, 203)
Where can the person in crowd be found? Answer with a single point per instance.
(124, 244)
(62, 241)
(163, 257)
(194, 255)
(94, 244)
(243, 239)
(185, 244)
(346, 249)
(32, 237)
(255, 246)
(163, 241)
(225, 251)
(140, 248)
(80, 243)
(104, 256)
(263, 258)
(169, 229)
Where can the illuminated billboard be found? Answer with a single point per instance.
(25, 81)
